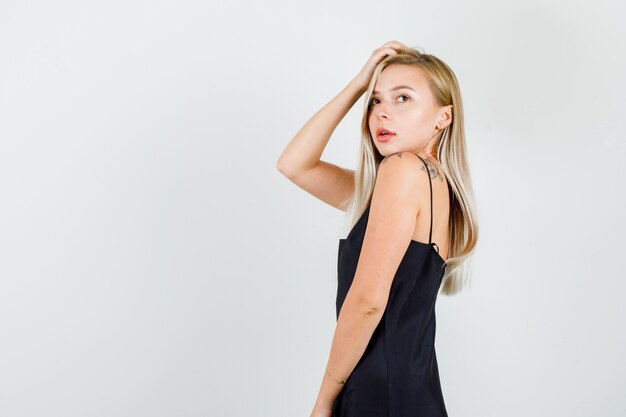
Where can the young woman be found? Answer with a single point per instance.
(413, 231)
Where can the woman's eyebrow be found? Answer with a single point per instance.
(398, 87)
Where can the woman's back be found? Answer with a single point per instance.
(434, 190)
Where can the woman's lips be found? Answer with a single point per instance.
(385, 138)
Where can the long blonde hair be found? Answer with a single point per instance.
(451, 154)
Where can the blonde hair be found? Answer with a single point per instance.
(450, 152)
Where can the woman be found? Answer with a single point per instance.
(413, 231)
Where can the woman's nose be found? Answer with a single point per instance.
(381, 111)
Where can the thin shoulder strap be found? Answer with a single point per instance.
(430, 234)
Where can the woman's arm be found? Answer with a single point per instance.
(356, 323)
(305, 150)
(300, 161)
(390, 226)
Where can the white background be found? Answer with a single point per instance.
(155, 263)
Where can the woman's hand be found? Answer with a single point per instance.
(389, 48)
(321, 411)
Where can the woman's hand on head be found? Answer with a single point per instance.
(389, 48)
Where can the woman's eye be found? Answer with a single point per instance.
(372, 101)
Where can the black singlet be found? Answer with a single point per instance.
(397, 376)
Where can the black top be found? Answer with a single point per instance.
(397, 376)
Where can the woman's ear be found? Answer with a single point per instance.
(446, 118)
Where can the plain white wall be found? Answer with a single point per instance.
(155, 263)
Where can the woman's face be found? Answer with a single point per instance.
(403, 104)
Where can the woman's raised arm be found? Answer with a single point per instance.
(300, 161)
